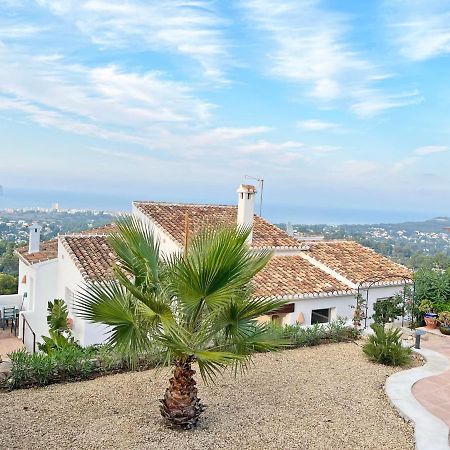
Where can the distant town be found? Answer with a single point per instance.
(14, 222)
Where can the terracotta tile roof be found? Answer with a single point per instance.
(92, 255)
(294, 276)
(287, 277)
(171, 218)
(355, 262)
(49, 249)
(283, 276)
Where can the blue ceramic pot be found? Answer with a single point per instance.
(431, 315)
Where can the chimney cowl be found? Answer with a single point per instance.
(246, 188)
(34, 240)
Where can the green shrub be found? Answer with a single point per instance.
(301, 336)
(385, 347)
(338, 331)
(109, 360)
(60, 334)
(309, 336)
(387, 309)
(72, 363)
(28, 368)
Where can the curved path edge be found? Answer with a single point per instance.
(431, 433)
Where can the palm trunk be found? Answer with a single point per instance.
(180, 407)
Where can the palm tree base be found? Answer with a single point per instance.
(180, 407)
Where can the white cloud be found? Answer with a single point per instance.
(308, 45)
(429, 149)
(372, 102)
(419, 29)
(106, 96)
(316, 125)
(265, 147)
(268, 153)
(108, 103)
(311, 45)
(192, 28)
(18, 30)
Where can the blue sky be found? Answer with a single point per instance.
(337, 105)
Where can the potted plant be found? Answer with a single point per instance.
(430, 317)
(444, 319)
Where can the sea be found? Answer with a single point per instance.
(276, 213)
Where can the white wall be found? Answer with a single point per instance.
(70, 282)
(40, 288)
(11, 300)
(23, 271)
(342, 306)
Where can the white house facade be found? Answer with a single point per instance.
(318, 279)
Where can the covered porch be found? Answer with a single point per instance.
(9, 330)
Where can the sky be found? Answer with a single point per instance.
(341, 107)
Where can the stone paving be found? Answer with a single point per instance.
(434, 392)
(8, 343)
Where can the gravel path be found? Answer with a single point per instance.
(326, 397)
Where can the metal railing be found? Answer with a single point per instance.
(25, 322)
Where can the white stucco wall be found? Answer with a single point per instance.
(342, 306)
(40, 288)
(11, 300)
(23, 271)
(69, 282)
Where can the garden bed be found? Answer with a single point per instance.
(317, 398)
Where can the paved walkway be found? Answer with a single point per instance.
(434, 392)
(8, 343)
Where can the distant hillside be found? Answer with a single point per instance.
(411, 243)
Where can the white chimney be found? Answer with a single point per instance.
(246, 200)
(34, 241)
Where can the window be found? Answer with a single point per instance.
(276, 319)
(320, 315)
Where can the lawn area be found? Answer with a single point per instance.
(324, 397)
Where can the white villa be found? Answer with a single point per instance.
(319, 279)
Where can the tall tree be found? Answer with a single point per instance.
(198, 306)
(8, 284)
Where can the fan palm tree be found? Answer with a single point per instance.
(198, 306)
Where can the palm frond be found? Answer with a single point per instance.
(217, 265)
(211, 363)
(110, 304)
(137, 250)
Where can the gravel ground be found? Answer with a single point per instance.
(326, 397)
